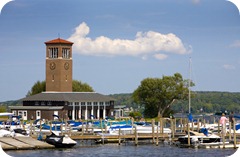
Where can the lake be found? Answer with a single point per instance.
(115, 150)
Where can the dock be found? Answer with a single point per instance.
(20, 143)
(217, 145)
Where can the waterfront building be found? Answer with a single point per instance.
(59, 100)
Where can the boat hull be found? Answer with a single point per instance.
(60, 141)
(184, 140)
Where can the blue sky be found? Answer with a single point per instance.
(118, 43)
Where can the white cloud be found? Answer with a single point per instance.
(160, 56)
(228, 67)
(145, 43)
(235, 44)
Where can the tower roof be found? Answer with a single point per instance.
(58, 41)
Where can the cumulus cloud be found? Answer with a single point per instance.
(144, 44)
(228, 67)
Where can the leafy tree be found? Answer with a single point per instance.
(77, 86)
(135, 114)
(38, 87)
(3, 109)
(158, 94)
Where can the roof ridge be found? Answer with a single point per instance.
(58, 41)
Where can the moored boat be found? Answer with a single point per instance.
(196, 138)
(60, 141)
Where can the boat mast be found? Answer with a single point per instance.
(189, 86)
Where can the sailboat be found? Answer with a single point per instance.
(203, 136)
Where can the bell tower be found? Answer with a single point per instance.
(59, 65)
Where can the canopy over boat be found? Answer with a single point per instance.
(6, 114)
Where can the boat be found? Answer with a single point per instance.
(60, 141)
(203, 136)
(13, 133)
(199, 137)
(144, 127)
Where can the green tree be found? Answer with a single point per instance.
(77, 86)
(38, 87)
(135, 114)
(3, 109)
(158, 94)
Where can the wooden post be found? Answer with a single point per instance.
(223, 134)
(106, 130)
(101, 125)
(192, 126)
(174, 126)
(181, 124)
(30, 128)
(40, 126)
(230, 130)
(185, 125)
(162, 122)
(188, 130)
(119, 138)
(23, 126)
(198, 125)
(70, 130)
(157, 132)
(66, 127)
(61, 128)
(136, 136)
(132, 120)
(153, 130)
(234, 135)
(87, 126)
(50, 126)
(82, 129)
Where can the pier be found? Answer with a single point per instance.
(19, 143)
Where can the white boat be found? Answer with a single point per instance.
(196, 138)
(149, 129)
(13, 133)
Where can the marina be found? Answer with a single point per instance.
(155, 135)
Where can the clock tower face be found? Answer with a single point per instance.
(66, 66)
(52, 66)
(59, 65)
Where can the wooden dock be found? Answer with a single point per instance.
(18, 143)
(217, 145)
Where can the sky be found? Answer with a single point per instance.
(118, 43)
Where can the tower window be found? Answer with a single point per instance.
(53, 52)
(66, 53)
(52, 78)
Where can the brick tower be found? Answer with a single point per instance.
(59, 65)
